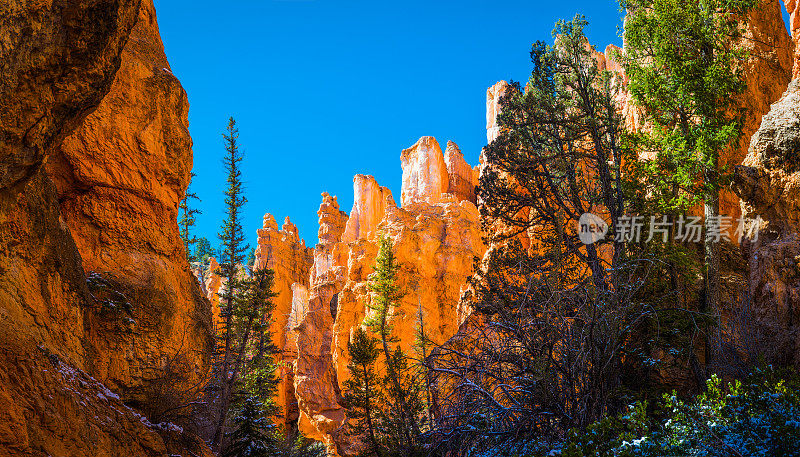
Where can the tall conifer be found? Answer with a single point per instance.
(363, 394)
(403, 408)
(233, 254)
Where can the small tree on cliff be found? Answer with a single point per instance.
(363, 395)
(403, 408)
(186, 220)
(682, 60)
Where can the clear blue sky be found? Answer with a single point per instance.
(323, 89)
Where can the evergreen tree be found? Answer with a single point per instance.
(252, 435)
(683, 59)
(363, 394)
(255, 355)
(422, 346)
(232, 255)
(402, 410)
(233, 248)
(251, 258)
(563, 325)
(252, 371)
(203, 250)
(187, 219)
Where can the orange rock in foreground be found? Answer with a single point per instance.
(769, 184)
(58, 60)
(119, 178)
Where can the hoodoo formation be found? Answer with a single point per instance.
(436, 235)
(99, 304)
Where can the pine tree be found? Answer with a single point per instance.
(203, 250)
(187, 219)
(422, 345)
(402, 409)
(252, 435)
(681, 58)
(253, 371)
(251, 259)
(232, 234)
(363, 394)
(232, 255)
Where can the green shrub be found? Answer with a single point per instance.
(757, 417)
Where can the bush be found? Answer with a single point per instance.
(757, 417)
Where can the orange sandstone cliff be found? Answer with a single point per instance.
(290, 259)
(769, 184)
(119, 178)
(59, 63)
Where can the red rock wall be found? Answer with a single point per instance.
(58, 60)
(120, 177)
(290, 259)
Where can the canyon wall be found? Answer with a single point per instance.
(769, 184)
(119, 178)
(59, 63)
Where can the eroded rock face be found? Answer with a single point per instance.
(493, 96)
(436, 236)
(767, 73)
(434, 246)
(290, 259)
(462, 179)
(58, 60)
(52, 408)
(793, 8)
(369, 205)
(119, 178)
(425, 176)
(42, 287)
(769, 184)
(315, 384)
